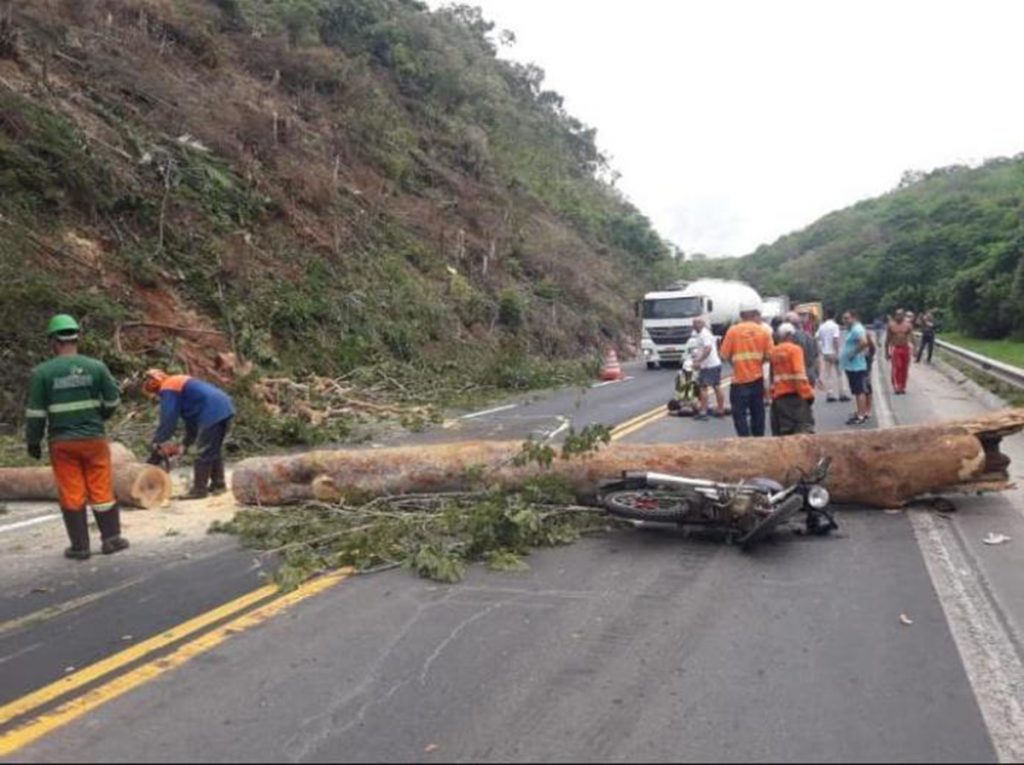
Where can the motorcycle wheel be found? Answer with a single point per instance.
(651, 505)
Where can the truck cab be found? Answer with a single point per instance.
(666, 317)
(667, 324)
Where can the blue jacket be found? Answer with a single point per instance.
(198, 403)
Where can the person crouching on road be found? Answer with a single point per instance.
(207, 412)
(70, 398)
(748, 347)
(792, 392)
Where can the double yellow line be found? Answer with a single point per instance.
(639, 423)
(38, 721)
(648, 418)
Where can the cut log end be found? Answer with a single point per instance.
(151, 488)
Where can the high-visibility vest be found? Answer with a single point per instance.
(175, 383)
(789, 374)
(747, 346)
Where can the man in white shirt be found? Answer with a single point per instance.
(829, 343)
(709, 363)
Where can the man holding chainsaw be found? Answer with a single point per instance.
(207, 412)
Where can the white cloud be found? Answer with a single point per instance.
(735, 122)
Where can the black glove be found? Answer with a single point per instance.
(35, 451)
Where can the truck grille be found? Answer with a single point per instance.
(670, 335)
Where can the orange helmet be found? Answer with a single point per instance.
(152, 381)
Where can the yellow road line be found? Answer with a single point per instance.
(70, 711)
(95, 671)
(639, 418)
(639, 423)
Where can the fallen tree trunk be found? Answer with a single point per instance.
(878, 468)
(136, 484)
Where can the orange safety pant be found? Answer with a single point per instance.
(84, 473)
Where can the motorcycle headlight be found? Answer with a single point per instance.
(818, 497)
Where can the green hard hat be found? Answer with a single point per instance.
(62, 324)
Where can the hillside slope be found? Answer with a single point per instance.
(951, 239)
(318, 186)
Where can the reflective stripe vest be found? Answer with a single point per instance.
(789, 375)
(747, 346)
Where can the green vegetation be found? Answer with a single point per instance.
(1008, 351)
(951, 239)
(357, 189)
(435, 535)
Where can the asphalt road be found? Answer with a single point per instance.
(639, 645)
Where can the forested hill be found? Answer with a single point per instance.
(952, 239)
(320, 186)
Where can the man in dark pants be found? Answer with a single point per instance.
(207, 412)
(927, 336)
(792, 393)
(748, 347)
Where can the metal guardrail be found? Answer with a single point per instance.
(1005, 373)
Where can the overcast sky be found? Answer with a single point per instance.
(733, 123)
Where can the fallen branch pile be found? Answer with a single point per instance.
(436, 535)
(319, 400)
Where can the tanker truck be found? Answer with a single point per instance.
(667, 315)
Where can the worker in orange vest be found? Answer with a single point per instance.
(207, 412)
(792, 392)
(748, 346)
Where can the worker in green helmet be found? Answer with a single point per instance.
(70, 398)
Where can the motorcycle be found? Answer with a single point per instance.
(747, 512)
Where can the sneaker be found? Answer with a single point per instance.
(845, 398)
(700, 418)
(856, 420)
(831, 399)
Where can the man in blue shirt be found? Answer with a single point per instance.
(854, 361)
(207, 412)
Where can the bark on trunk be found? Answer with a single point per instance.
(878, 468)
(136, 484)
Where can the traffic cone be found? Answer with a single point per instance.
(611, 370)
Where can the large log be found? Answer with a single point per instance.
(136, 484)
(877, 468)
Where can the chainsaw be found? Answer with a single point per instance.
(161, 456)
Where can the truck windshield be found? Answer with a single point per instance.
(672, 308)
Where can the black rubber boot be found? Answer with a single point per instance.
(109, 522)
(218, 484)
(200, 481)
(77, 524)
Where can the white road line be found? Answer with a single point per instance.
(992, 664)
(561, 429)
(30, 522)
(611, 382)
(488, 411)
(988, 653)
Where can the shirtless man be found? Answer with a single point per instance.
(899, 347)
